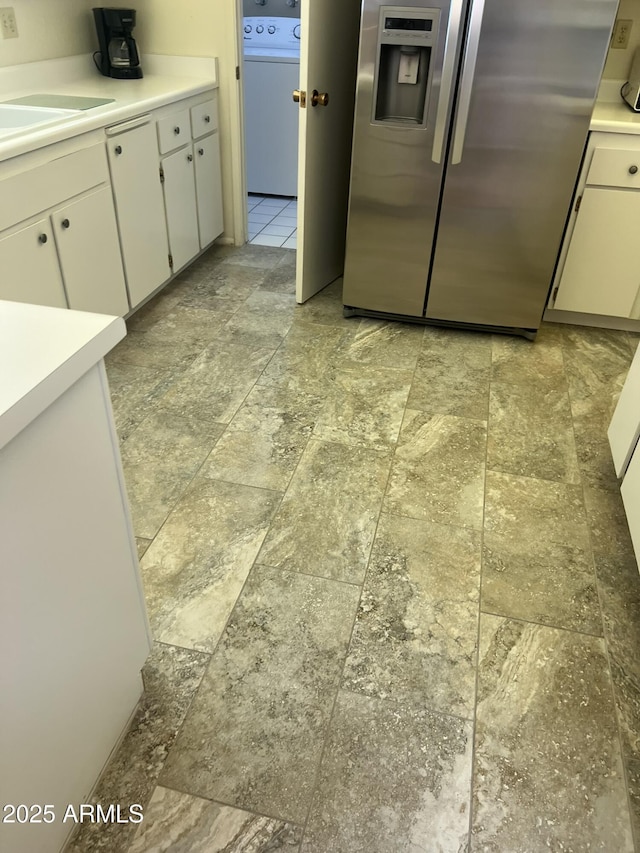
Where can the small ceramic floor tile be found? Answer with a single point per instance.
(171, 678)
(415, 635)
(179, 823)
(282, 278)
(452, 376)
(633, 781)
(160, 458)
(365, 405)
(215, 385)
(303, 359)
(530, 511)
(552, 583)
(438, 469)
(619, 584)
(607, 522)
(135, 392)
(393, 780)
(379, 343)
(265, 440)
(254, 734)
(326, 523)
(545, 711)
(531, 433)
(537, 364)
(265, 317)
(196, 566)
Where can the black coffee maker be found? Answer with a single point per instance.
(118, 54)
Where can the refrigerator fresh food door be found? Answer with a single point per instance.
(530, 74)
(406, 77)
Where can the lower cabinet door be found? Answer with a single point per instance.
(30, 270)
(208, 188)
(135, 177)
(180, 203)
(87, 240)
(602, 271)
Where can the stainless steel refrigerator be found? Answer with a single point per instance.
(470, 125)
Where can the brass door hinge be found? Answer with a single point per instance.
(237, 72)
(161, 175)
(578, 203)
(171, 261)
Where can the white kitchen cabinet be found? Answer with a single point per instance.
(87, 241)
(30, 269)
(599, 266)
(208, 188)
(192, 179)
(180, 200)
(135, 178)
(63, 249)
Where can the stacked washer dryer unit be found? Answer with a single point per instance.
(271, 73)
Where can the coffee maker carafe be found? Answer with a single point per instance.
(118, 54)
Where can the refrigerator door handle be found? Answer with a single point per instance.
(446, 80)
(466, 80)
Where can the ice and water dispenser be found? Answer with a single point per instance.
(402, 85)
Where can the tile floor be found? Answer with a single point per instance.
(394, 598)
(272, 221)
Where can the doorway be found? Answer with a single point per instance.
(271, 61)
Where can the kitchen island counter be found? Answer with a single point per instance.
(73, 625)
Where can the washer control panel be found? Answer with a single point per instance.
(276, 33)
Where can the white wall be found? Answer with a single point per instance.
(619, 61)
(48, 29)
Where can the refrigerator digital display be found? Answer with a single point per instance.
(417, 24)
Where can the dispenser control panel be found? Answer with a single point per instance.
(407, 38)
(402, 26)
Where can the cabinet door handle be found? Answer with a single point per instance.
(189, 157)
(201, 151)
(633, 170)
(65, 223)
(207, 119)
(42, 238)
(176, 130)
(118, 149)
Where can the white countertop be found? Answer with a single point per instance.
(611, 114)
(43, 351)
(166, 79)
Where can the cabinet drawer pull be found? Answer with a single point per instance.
(42, 238)
(118, 149)
(201, 151)
(207, 119)
(176, 130)
(189, 157)
(65, 223)
(633, 170)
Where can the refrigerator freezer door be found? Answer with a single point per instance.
(402, 108)
(519, 148)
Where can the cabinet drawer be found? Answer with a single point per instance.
(204, 118)
(610, 168)
(29, 193)
(173, 131)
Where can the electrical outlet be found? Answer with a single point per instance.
(8, 26)
(621, 33)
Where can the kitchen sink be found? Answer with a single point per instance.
(13, 118)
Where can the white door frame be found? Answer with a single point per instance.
(236, 128)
